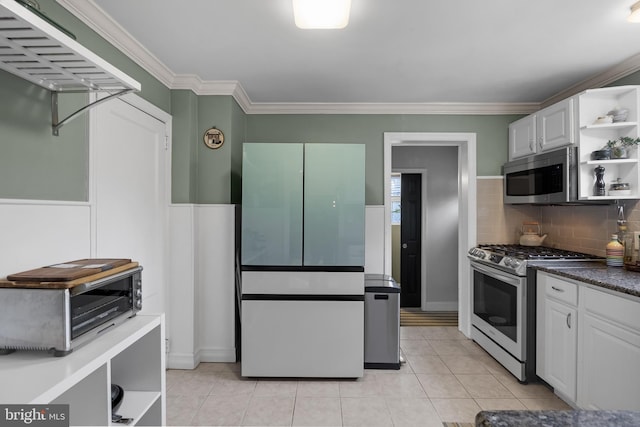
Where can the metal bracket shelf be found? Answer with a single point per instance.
(56, 125)
(40, 53)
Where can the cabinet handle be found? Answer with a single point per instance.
(569, 320)
(557, 289)
(531, 145)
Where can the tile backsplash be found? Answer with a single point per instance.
(577, 228)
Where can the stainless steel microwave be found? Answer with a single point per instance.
(546, 179)
(60, 320)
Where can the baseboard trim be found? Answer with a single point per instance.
(181, 361)
(227, 355)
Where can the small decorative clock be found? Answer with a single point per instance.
(213, 138)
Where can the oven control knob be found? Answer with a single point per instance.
(138, 293)
(138, 304)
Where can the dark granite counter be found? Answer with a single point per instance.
(557, 418)
(593, 272)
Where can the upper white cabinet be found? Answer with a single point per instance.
(555, 126)
(593, 136)
(522, 137)
(548, 129)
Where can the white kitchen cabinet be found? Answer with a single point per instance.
(557, 334)
(550, 128)
(522, 137)
(609, 351)
(131, 355)
(595, 103)
(555, 126)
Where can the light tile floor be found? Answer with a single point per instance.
(447, 377)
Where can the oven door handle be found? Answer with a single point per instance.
(512, 280)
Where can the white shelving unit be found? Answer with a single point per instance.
(591, 105)
(131, 355)
(41, 53)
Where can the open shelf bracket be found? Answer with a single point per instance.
(57, 124)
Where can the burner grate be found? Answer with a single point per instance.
(534, 252)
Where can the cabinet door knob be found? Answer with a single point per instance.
(404, 246)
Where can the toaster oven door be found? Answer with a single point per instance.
(96, 303)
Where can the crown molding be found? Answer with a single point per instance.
(461, 108)
(100, 22)
(623, 69)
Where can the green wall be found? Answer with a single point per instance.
(492, 135)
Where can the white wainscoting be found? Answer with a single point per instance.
(374, 240)
(180, 309)
(215, 273)
(39, 233)
(201, 301)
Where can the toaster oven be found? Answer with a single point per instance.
(60, 320)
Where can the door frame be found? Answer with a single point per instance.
(467, 205)
(423, 230)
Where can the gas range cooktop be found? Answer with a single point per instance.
(513, 258)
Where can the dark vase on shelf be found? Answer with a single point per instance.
(599, 188)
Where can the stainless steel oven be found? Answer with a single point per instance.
(503, 296)
(499, 316)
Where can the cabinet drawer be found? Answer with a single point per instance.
(561, 290)
(619, 309)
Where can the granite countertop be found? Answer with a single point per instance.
(557, 418)
(593, 272)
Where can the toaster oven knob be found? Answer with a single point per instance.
(138, 304)
(138, 293)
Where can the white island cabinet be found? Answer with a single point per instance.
(130, 355)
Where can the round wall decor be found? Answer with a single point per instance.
(213, 138)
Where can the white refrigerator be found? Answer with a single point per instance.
(302, 308)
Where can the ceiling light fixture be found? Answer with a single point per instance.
(634, 16)
(322, 14)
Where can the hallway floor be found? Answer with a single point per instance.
(447, 377)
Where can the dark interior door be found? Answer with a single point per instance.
(410, 239)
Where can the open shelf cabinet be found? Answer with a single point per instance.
(595, 103)
(131, 355)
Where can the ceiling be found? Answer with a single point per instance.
(392, 51)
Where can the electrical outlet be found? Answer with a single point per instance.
(166, 345)
(636, 240)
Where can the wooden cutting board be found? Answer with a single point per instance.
(67, 284)
(69, 271)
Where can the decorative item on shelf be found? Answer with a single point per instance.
(619, 114)
(620, 147)
(213, 138)
(615, 252)
(599, 188)
(619, 188)
(603, 120)
(604, 154)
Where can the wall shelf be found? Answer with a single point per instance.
(35, 50)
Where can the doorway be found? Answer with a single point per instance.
(465, 201)
(408, 237)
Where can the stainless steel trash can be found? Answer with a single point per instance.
(381, 322)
